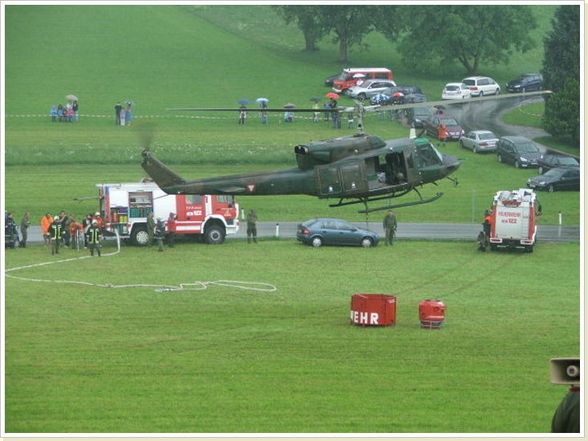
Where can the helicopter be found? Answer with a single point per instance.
(355, 169)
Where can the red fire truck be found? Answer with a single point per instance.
(125, 207)
(513, 220)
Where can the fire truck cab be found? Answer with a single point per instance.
(125, 207)
(513, 220)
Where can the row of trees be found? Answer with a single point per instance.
(561, 72)
(425, 35)
(434, 35)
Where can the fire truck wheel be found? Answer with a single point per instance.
(140, 237)
(214, 235)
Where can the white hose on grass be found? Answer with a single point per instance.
(193, 286)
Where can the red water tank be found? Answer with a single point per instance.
(431, 313)
(373, 309)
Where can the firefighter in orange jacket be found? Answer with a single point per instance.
(488, 222)
(443, 134)
(46, 222)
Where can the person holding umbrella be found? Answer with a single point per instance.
(333, 105)
(263, 109)
(288, 116)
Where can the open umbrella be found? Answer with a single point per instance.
(243, 102)
(332, 95)
(289, 106)
(261, 100)
(71, 97)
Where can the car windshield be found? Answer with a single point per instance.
(487, 135)
(449, 122)
(554, 173)
(566, 160)
(527, 147)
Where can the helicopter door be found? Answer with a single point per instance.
(353, 177)
(328, 180)
(336, 180)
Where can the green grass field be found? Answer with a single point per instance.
(88, 359)
(83, 359)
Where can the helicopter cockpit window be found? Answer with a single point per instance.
(429, 155)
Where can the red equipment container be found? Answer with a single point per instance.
(373, 309)
(431, 313)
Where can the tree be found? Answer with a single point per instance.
(468, 34)
(561, 73)
(306, 19)
(349, 23)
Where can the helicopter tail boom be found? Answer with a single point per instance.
(161, 173)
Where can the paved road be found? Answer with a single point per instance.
(405, 231)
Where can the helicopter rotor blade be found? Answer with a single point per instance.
(453, 102)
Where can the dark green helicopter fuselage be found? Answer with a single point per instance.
(358, 166)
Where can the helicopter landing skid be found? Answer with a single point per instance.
(406, 204)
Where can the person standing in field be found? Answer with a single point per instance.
(93, 235)
(251, 226)
(171, 230)
(45, 225)
(25, 223)
(150, 227)
(55, 234)
(117, 111)
(443, 134)
(159, 233)
(390, 227)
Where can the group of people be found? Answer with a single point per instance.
(65, 230)
(157, 230)
(123, 117)
(67, 113)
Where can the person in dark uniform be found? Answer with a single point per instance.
(93, 238)
(151, 228)
(55, 235)
(117, 110)
(567, 416)
(390, 227)
(171, 230)
(159, 233)
(25, 223)
(251, 226)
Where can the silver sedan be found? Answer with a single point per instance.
(479, 141)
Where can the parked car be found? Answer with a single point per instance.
(455, 91)
(480, 86)
(350, 76)
(517, 150)
(454, 130)
(330, 79)
(559, 178)
(479, 141)
(525, 83)
(549, 161)
(418, 115)
(369, 88)
(331, 231)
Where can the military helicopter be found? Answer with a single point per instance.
(356, 169)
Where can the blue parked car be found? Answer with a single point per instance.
(331, 231)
